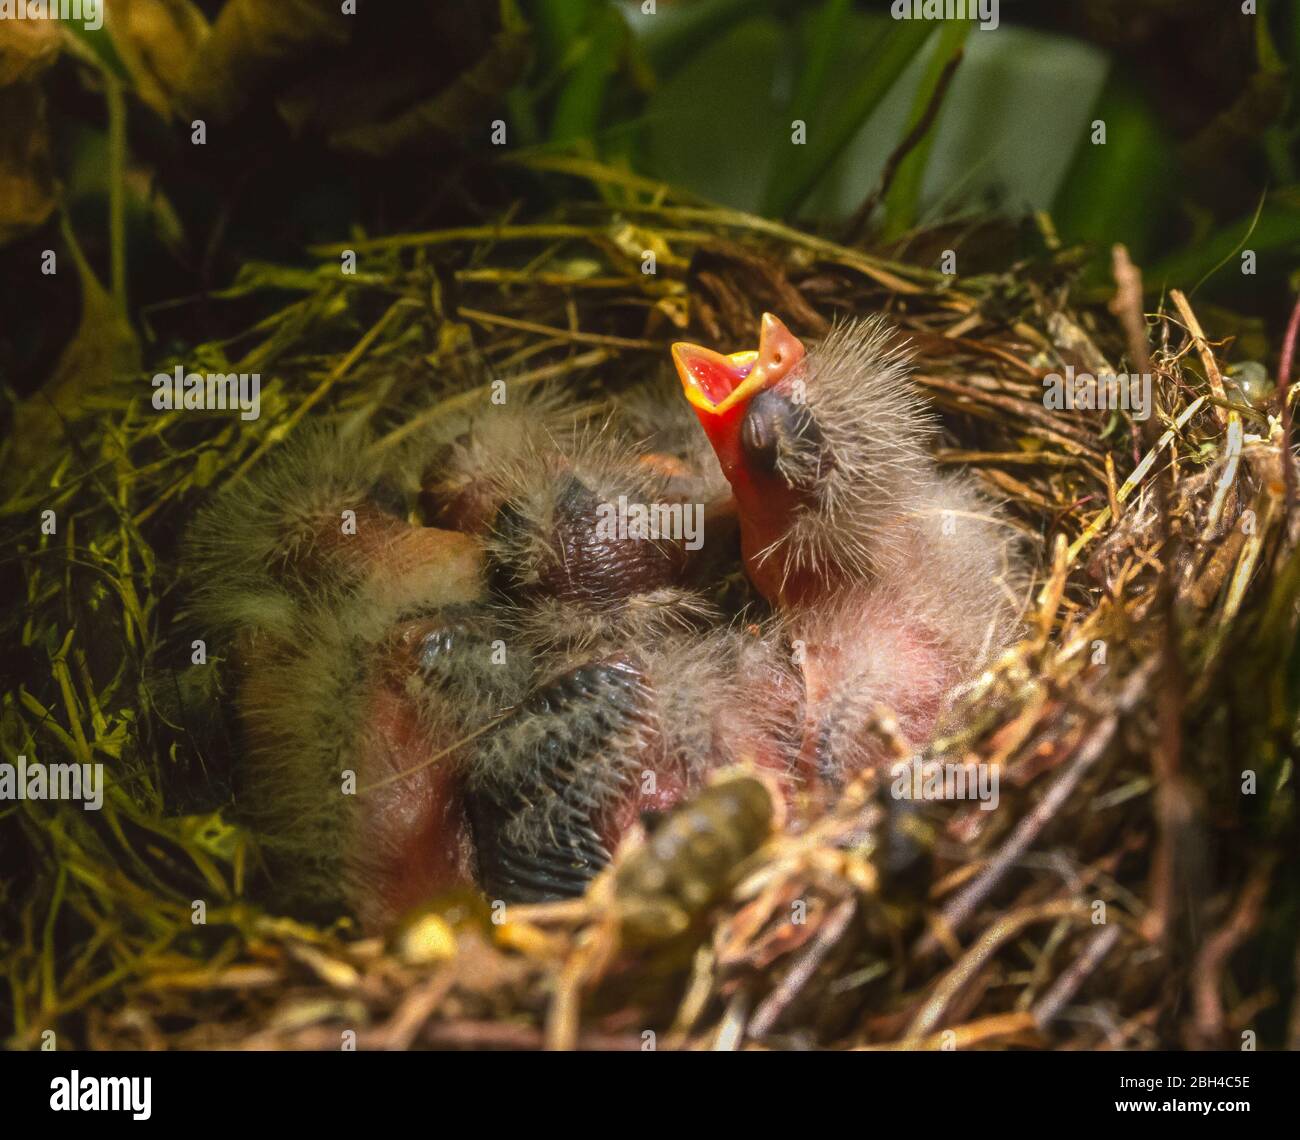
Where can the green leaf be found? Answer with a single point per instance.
(826, 32)
(578, 108)
(799, 168)
(1109, 194)
(903, 198)
(558, 24)
(1274, 236)
(672, 37)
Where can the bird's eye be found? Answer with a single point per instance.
(775, 425)
(389, 497)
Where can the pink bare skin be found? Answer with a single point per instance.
(621, 670)
(883, 572)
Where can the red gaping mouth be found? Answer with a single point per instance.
(709, 378)
(715, 383)
(721, 390)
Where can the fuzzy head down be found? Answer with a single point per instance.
(864, 463)
(826, 450)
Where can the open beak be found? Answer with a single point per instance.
(720, 387)
(714, 383)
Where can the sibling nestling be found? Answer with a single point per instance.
(425, 709)
(494, 700)
(888, 575)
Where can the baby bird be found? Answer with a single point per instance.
(454, 669)
(493, 701)
(632, 693)
(320, 601)
(886, 575)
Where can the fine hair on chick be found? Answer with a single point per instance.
(866, 467)
(878, 512)
(303, 602)
(654, 417)
(450, 669)
(634, 729)
(456, 463)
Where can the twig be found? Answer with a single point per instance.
(1283, 388)
(908, 144)
(414, 1012)
(776, 1003)
(1227, 415)
(1172, 803)
(1139, 473)
(475, 397)
(490, 233)
(1067, 985)
(510, 1035)
(931, 1013)
(559, 334)
(981, 1032)
(1212, 373)
(1218, 948)
(358, 350)
(959, 910)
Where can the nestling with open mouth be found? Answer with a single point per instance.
(497, 699)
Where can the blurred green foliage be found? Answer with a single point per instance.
(829, 113)
(1169, 126)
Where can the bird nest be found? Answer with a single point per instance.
(1128, 893)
